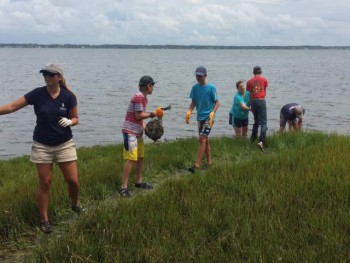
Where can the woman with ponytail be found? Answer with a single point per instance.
(56, 110)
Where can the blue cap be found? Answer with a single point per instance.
(201, 71)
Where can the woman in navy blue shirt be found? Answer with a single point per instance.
(55, 107)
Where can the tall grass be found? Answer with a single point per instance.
(291, 204)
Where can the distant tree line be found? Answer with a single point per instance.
(29, 45)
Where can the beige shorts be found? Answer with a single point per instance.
(64, 152)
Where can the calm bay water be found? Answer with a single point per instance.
(105, 79)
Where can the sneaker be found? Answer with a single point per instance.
(206, 166)
(193, 169)
(143, 186)
(124, 192)
(261, 146)
(45, 227)
(77, 208)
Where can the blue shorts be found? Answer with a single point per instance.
(204, 128)
(240, 123)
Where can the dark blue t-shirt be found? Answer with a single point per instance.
(288, 111)
(48, 112)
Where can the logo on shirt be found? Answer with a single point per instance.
(256, 88)
(63, 107)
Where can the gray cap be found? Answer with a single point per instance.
(299, 111)
(53, 68)
(201, 71)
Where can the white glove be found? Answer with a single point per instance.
(64, 122)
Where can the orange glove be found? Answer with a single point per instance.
(159, 112)
(188, 116)
(211, 118)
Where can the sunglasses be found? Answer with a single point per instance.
(51, 75)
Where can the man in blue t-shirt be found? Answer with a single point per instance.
(204, 98)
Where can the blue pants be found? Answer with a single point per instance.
(260, 119)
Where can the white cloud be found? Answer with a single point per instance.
(202, 22)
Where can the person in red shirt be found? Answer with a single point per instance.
(257, 88)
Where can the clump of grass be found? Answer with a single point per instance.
(290, 204)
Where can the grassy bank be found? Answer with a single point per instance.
(291, 204)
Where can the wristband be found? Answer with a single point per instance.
(151, 115)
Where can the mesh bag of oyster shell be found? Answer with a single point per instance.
(154, 129)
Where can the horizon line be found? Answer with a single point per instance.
(37, 45)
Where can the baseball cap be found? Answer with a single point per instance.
(145, 80)
(53, 68)
(257, 70)
(201, 71)
(299, 111)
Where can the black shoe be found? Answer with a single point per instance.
(77, 208)
(261, 146)
(206, 166)
(45, 227)
(193, 169)
(144, 186)
(124, 192)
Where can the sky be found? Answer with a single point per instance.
(176, 22)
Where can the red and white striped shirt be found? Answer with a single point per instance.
(131, 125)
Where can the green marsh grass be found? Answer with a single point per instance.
(291, 204)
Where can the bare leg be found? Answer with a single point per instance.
(290, 126)
(127, 171)
(295, 125)
(45, 178)
(244, 131)
(70, 173)
(139, 167)
(238, 132)
(208, 152)
(201, 150)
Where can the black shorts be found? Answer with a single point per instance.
(240, 123)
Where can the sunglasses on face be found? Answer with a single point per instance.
(51, 75)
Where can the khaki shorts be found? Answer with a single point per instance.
(64, 152)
